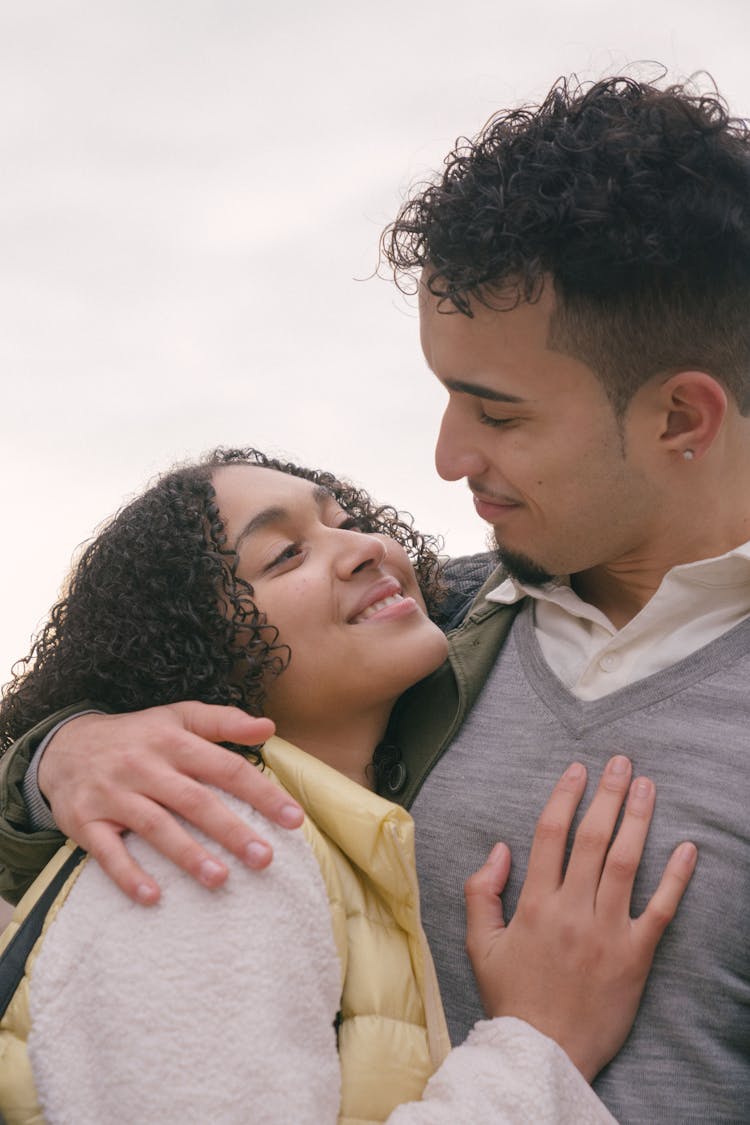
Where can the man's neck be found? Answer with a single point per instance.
(620, 590)
(620, 597)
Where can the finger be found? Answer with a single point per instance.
(666, 898)
(204, 808)
(105, 844)
(235, 774)
(624, 856)
(156, 825)
(484, 910)
(548, 847)
(223, 724)
(153, 822)
(230, 771)
(594, 834)
(178, 787)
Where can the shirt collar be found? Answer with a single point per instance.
(730, 569)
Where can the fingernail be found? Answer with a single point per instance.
(687, 854)
(256, 853)
(496, 853)
(574, 771)
(290, 816)
(640, 794)
(619, 765)
(210, 872)
(146, 894)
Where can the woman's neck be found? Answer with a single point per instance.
(345, 742)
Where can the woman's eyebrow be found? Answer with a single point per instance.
(276, 514)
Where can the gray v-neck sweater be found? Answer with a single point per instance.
(688, 728)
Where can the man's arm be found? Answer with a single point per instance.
(23, 851)
(462, 579)
(104, 774)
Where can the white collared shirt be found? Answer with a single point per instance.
(695, 603)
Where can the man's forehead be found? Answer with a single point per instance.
(451, 340)
(503, 356)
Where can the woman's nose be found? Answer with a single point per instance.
(357, 550)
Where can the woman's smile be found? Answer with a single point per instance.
(312, 572)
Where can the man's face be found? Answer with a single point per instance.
(565, 488)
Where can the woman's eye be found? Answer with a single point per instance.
(351, 523)
(290, 552)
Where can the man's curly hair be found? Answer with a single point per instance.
(634, 199)
(155, 613)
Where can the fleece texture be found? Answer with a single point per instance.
(220, 1006)
(226, 999)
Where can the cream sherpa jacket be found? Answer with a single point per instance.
(220, 1006)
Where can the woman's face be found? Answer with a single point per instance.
(346, 603)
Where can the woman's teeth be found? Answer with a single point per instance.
(376, 607)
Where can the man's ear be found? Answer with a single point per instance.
(694, 406)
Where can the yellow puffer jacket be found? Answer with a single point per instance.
(18, 1100)
(392, 1032)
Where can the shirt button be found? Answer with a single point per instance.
(609, 662)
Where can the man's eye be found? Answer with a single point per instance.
(351, 523)
(488, 420)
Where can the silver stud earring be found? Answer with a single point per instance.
(689, 454)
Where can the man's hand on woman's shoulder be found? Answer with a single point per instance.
(105, 774)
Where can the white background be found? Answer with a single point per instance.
(191, 195)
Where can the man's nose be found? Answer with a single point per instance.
(456, 455)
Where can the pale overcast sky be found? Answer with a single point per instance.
(190, 204)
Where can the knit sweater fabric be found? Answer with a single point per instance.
(686, 727)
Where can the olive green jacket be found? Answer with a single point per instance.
(428, 716)
(425, 721)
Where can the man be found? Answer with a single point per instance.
(584, 279)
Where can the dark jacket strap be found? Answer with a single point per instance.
(14, 957)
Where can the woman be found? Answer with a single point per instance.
(304, 993)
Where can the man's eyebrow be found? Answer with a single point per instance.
(276, 514)
(479, 391)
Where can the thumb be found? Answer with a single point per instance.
(223, 724)
(484, 910)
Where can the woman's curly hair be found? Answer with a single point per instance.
(155, 613)
(635, 199)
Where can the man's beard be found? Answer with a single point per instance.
(521, 567)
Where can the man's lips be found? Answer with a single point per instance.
(384, 600)
(492, 508)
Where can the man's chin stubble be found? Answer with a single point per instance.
(519, 566)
